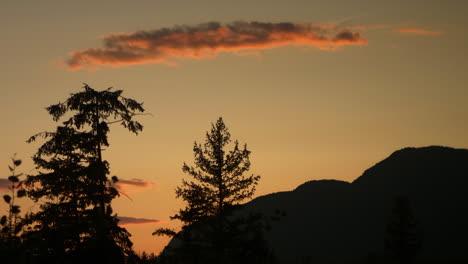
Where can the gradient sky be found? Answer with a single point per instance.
(353, 82)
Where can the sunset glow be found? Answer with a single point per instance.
(419, 31)
(316, 89)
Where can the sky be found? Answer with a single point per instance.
(317, 89)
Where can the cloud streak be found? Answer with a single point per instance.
(133, 185)
(126, 220)
(4, 184)
(208, 40)
(418, 31)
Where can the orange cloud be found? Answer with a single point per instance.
(126, 220)
(133, 185)
(418, 31)
(208, 40)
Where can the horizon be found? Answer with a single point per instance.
(317, 90)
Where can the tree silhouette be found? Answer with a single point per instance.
(145, 258)
(403, 235)
(218, 186)
(10, 224)
(75, 222)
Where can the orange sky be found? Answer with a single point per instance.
(307, 107)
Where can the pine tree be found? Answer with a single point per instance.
(403, 234)
(75, 222)
(218, 186)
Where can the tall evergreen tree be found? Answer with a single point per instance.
(75, 223)
(403, 234)
(218, 186)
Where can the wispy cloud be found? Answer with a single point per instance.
(418, 31)
(4, 184)
(133, 185)
(208, 40)
(127, 220)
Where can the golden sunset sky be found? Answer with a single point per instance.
(317, 89)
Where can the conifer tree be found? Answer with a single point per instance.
(403, 234)
(218, 185)
(75, 222)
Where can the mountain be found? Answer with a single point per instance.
(339, 221)
(331, 221)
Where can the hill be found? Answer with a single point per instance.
(331, 221)
(337, 221)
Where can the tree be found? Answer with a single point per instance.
(403, 235)
(75, 222)
(218, 186)
(10, 224)
(145, 258)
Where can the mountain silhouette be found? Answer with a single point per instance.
(337, 221)
(331, 221)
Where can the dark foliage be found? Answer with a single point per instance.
(219, 180)
(145, 258)
(403, 236)
(75, 223)
(211, 233)
(11, 225)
